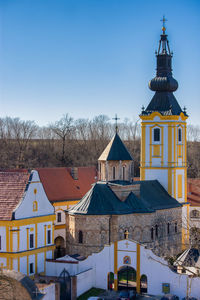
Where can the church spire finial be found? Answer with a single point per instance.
(163, 82)
(163, 20)
(116, 118)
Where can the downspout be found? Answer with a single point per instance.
(109, 230)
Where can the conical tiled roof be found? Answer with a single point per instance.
(116, 150)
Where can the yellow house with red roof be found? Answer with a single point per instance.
(26, 223)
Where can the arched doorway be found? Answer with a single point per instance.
(60, 247)
(143, 283)
(127, 278)
(65, 285)
(110, 281)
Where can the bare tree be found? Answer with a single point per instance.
(22, 132)
(63, 129)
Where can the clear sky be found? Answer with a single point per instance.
(91, 57)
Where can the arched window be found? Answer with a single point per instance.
(180, 135)
(113, 173)
(35, 206)
(123, 172)
(175, 227)
(156, 135)
(80, 237)
(168, 228)
(156, 230)
(152, 235)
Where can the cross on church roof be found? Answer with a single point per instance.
(163, 27)
(126, 233)
(116, 118)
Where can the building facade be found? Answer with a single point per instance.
(26, 223)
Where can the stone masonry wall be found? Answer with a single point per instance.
(100, 230)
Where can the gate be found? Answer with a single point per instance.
(65, 285)
(127, 278)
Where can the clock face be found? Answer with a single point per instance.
(127, 260)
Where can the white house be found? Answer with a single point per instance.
(26, 223)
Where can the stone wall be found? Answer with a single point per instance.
(100, 230)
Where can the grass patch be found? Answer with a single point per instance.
(90, 293)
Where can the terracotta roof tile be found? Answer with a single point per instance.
(59, 184)
(12, 187)
(193, 189)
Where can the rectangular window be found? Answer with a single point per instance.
(31, 271)
(180, 193)
(156, 134)
(48, 236)
(31, 240)
(179, 135)
(59, 217)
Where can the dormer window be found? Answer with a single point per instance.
(179, 135)
(156, 135)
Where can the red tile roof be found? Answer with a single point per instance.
(193, 191)
(59, 184)
(12, 187)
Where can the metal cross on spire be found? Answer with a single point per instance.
(163, 27)
(116, 118)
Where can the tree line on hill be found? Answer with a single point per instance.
(68, 142)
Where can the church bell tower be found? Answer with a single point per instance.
(163, 135)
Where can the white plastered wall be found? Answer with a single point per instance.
(160, 175)
(150, 265)
(35, 192)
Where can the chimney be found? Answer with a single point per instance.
(74, 173)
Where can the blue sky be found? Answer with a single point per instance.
(91, 57)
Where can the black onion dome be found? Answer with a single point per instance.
(165, 84)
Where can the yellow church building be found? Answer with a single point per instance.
(163, 134)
